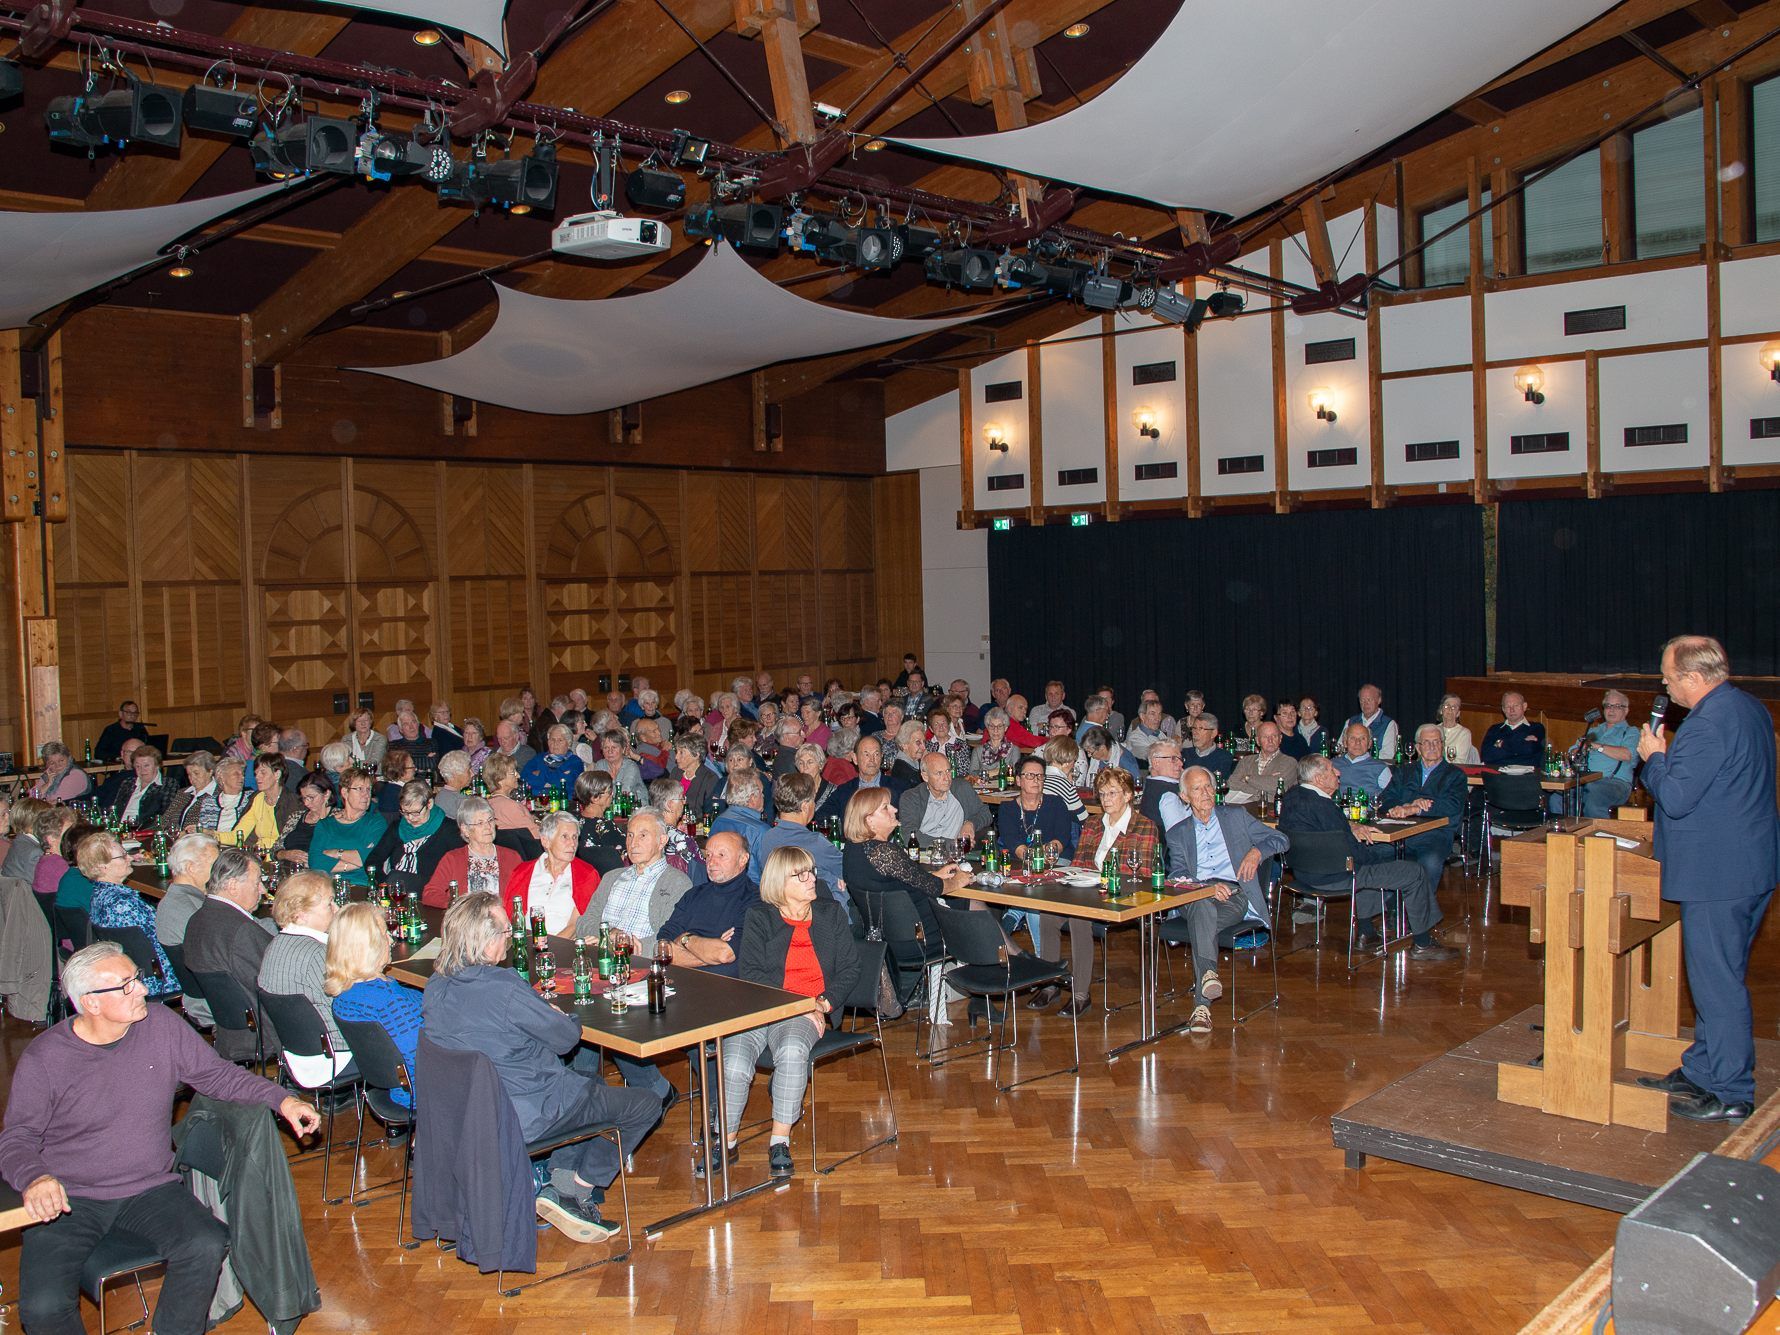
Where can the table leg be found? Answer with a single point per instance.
(1152, 1030)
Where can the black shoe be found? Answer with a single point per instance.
(1434, 952)
(1675, 1082)
(1076, 1007)
(669, 1100)
(575, 1216)
(1044, 998)
(778, 1161)
(1368, 943)
(698, 1160)
(1704, 1107)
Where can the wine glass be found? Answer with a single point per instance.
(1132, 861)
(620, 979)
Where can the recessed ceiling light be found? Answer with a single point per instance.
(428, 37)
(397, 296)
(1077, 30)
(180, 270)
(520, 210)
(875, 146)
(677, 96)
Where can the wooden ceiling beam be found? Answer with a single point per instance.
(780, 26)
(601, 66)
(143, 180)
(1616, 22)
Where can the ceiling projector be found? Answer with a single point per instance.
(610, 236)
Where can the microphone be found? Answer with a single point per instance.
(1658, 707)
(1591, 718)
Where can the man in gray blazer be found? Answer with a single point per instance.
(1209, 842)
(939, 808)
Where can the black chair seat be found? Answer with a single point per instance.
(835, 1040)
(1021, 971)
(386, 1109)
(1236, 931)
(119, 1252)
(1305, 888)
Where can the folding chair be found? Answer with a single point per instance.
(382, 1072)
(301, 1033)
(987, 968)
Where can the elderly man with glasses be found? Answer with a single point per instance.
(87, 1141)
(1610, 750)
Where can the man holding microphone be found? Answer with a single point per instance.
(1718, 838)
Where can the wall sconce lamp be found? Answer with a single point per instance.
(1322, 403)
(996, 435)
(1530, 381)
(1770, 361)
(1144, 419)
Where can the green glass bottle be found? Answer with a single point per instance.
(583, 973)
(604, 957)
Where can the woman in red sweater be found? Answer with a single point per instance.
(559, 883)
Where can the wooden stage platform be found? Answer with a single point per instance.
(1445, 1116)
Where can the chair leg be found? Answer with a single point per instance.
(327, 1154)
(624, 1196)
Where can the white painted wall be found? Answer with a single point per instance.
(1073, 403)
(1655, 389)
(1011, 419)
(1427, 408)
(1236, 398)
(1148, 344)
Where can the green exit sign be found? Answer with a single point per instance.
(1079, 519)
(1001, 525)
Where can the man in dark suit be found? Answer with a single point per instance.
(1428, 787)
(1209, 842)
(1309, 808)
(1718, 839)
(225, 937)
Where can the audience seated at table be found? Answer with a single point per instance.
(1266, 771)
(1034, 818)
(1060, 755)
(52, 859)
(477, 863)
(102, 860)
(110, 746)
(354, 983)
(188, 861)
(1428, 788)
(501, 775)
(638, 898)
(1203, 749)
(142, 792)
(270, 809)
(1149, 727)
(1380, 725)
(1612, 752)
(796, 940)
(474, 1003)
(412, 845)
(223, 936)
(295, 965)
(941, 808)
(342, 841)
(1227, 845)
(1310, 809)
(232, 799)
(26, 849)
(87, 1141)
(1517, 739)
(1356, 766)
(61, 780)
(1454, 735)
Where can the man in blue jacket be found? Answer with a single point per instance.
(1718, 838)
(1427, 787)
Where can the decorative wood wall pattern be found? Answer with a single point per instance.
(206, 586)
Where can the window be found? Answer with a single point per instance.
(1764, 126)
(1561, 217)
(1448, 260)
(1668, 187)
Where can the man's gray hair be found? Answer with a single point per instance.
(1430, 727)
(454, 762)
(548, 827)
(1312, 766)
(230, 866)
(1190, 771)
(745, 786)
(842, 741)
(188, 850)
(1616, 698)
(293, 741)
(472, 809)
(80, 975)
(470, 924)
(790, 721)
(1206, 716)
(1096, 701)
(650, 813)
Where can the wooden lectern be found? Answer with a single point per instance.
(1612, 972)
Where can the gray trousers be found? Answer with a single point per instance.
(1205, 918)
(1405, 878)
(790, 1040)
(1081, 947)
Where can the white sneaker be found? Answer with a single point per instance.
(1211, 987)
(1200, 1023)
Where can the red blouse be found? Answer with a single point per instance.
(803, 971)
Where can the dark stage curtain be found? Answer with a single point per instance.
(1598, 586)
(1305, 604)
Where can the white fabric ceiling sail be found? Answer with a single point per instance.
(1238, 105)
(485, 19)
(548, 355)
(54, 257)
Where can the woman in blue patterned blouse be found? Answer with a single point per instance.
(101, 858)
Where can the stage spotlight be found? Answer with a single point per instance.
(12, 80)
(1059, 278)
(965, 267)
(143, 113)
(221, 110)
(859, 247)
(318, 144)
(384, 157)
(912, 243)
(647, 188)
(1103, 292)
(744, 226)
(1175, 308)
(1223, 304)
(528, 182)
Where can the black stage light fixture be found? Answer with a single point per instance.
(221, 110)
(1221, 305)
(966, 267)
(687, 151)
(317, 144)
(858, 247)
(1058, 277)
(464, 185)
(525, 183)
(386, 157)
(12, 80)
(647, 188)
(913, 243)
(1176, 308)
(142, 113)
(744, 226)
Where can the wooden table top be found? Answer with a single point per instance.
(1549, 785)
(705, 1005)
(1396, 831)
(1049, 896)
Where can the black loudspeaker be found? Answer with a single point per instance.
(1701, 1256)
(649, 189)
(221, 110)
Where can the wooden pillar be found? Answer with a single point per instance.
(1189, 366)
(1035, 436)
(1282, 482)
(1480, 468)
(967, 454)
(26, 510)
(1109, 395)
(1374, 358)
(1738, 202)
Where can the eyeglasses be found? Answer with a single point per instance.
(807, 874)
(414, 811)
(133, 981)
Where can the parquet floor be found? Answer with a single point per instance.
(1192, 1189)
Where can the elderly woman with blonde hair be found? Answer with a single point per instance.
(295, 964)
(357, 955)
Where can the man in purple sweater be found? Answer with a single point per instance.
(88, 1142)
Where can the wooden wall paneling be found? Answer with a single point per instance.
(97, 618)
(717, 633)
(394, 522)
(896, 540)
(1480, 486)
(573, 524)
(1109, 400)
(483, 527)
(646, 529)
(785, 558)
(444, 623)
(1374, 364)
(253, 607)
(12, 665)
(1738, 201)
(1189, 367)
